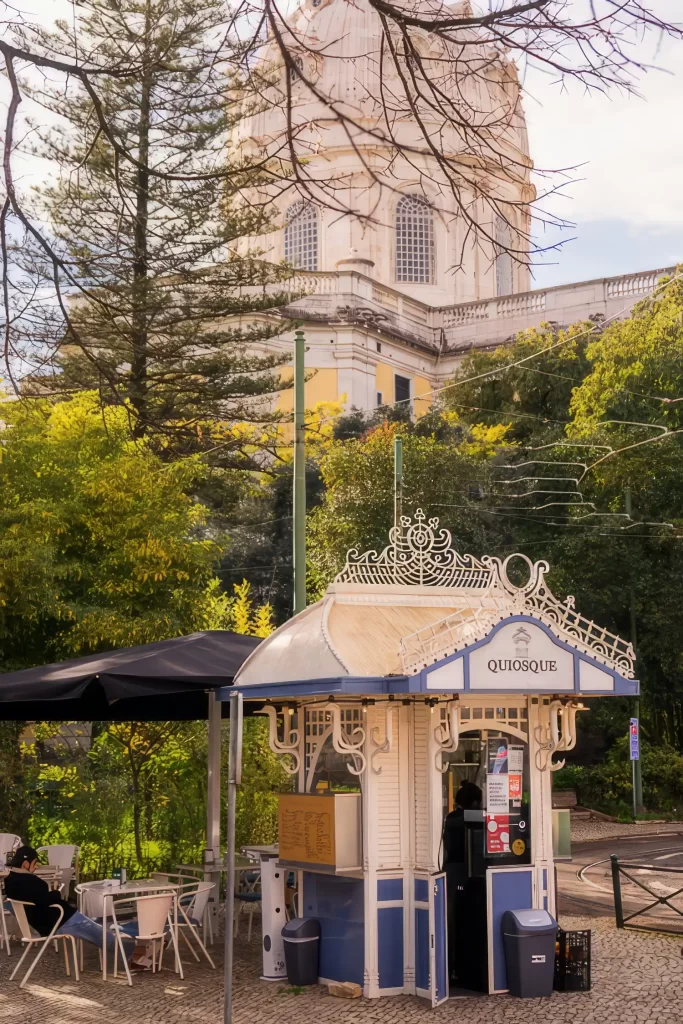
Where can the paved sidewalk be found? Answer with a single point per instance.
(636, 980)
(585, 830)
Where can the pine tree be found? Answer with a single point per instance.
(157, 287)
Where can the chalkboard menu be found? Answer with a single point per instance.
(320, 830)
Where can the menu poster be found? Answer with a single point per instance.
(497, 794)
(516, 760)
(497, 756)
(497, 833)
(515, 789)
(306, 828)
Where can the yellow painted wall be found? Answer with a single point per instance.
(420, 387)
(384, 379)
(322, 387)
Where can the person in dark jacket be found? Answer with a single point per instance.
(23, 885)
(468, 798)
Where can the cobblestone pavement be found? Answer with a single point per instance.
(636, 980)
(584, 829)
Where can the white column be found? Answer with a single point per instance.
(541, 799)
(407, 819)
(370, 808)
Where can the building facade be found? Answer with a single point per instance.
(398, 280)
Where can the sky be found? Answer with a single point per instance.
(626, 199)
(624, 195)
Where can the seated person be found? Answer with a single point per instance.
(23, 885)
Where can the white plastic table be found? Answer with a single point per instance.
(136, 887)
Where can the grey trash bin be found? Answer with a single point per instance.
(529, 938)
(302, 950)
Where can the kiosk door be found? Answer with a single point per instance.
(506, 889)
(431, 941)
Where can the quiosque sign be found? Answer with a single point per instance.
(521, 656)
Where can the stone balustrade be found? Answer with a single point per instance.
(344, 295)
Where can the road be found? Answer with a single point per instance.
(585, 882)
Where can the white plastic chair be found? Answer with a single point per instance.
(4, 914)
(64, 857)
(30, 939)
(8, 844)
(248, 898)
(189, 882)
(153, 921)
(192, 906)
(90, 898)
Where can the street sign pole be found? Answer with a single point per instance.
(634, 750)
(637, 774)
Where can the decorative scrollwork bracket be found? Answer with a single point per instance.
(447, 735)
(289, 745)
(352, 745)
(383, 746)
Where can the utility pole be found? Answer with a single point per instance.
(398, 495)
(299, 499)
(637, 773)
(398, 479)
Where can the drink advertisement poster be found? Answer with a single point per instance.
(497, 756)
(497, 833)
(515, 788)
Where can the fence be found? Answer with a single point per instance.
(658, 899)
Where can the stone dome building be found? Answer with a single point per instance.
(400, 213)
(431, 181)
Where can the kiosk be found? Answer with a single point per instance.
(421, 707)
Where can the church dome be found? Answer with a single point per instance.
(414, 152)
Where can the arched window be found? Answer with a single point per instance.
(301, 236)
(503, 236)
(414, 240)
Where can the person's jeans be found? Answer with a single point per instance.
(82, 927)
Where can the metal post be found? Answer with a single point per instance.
(398, 479)
(637, 773)
(212, 853)
(299, 501)
(234, 780)
(616, 886)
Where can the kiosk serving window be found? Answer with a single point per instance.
(486, 792)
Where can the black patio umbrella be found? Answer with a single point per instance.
(164, 681)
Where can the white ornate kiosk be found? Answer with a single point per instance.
(420, 670)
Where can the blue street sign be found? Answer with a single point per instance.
(634, 738)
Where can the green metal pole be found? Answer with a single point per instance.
(637, 773)
(299, 503)
(398, 479)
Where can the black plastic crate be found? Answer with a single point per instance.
(573, 961)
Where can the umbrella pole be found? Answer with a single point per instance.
(212, 853)
(234, 780)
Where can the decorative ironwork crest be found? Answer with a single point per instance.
(419, 554)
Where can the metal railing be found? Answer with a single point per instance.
(658, 900)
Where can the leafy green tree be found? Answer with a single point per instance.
(101, 543)
(443, 477)
(601, 409)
